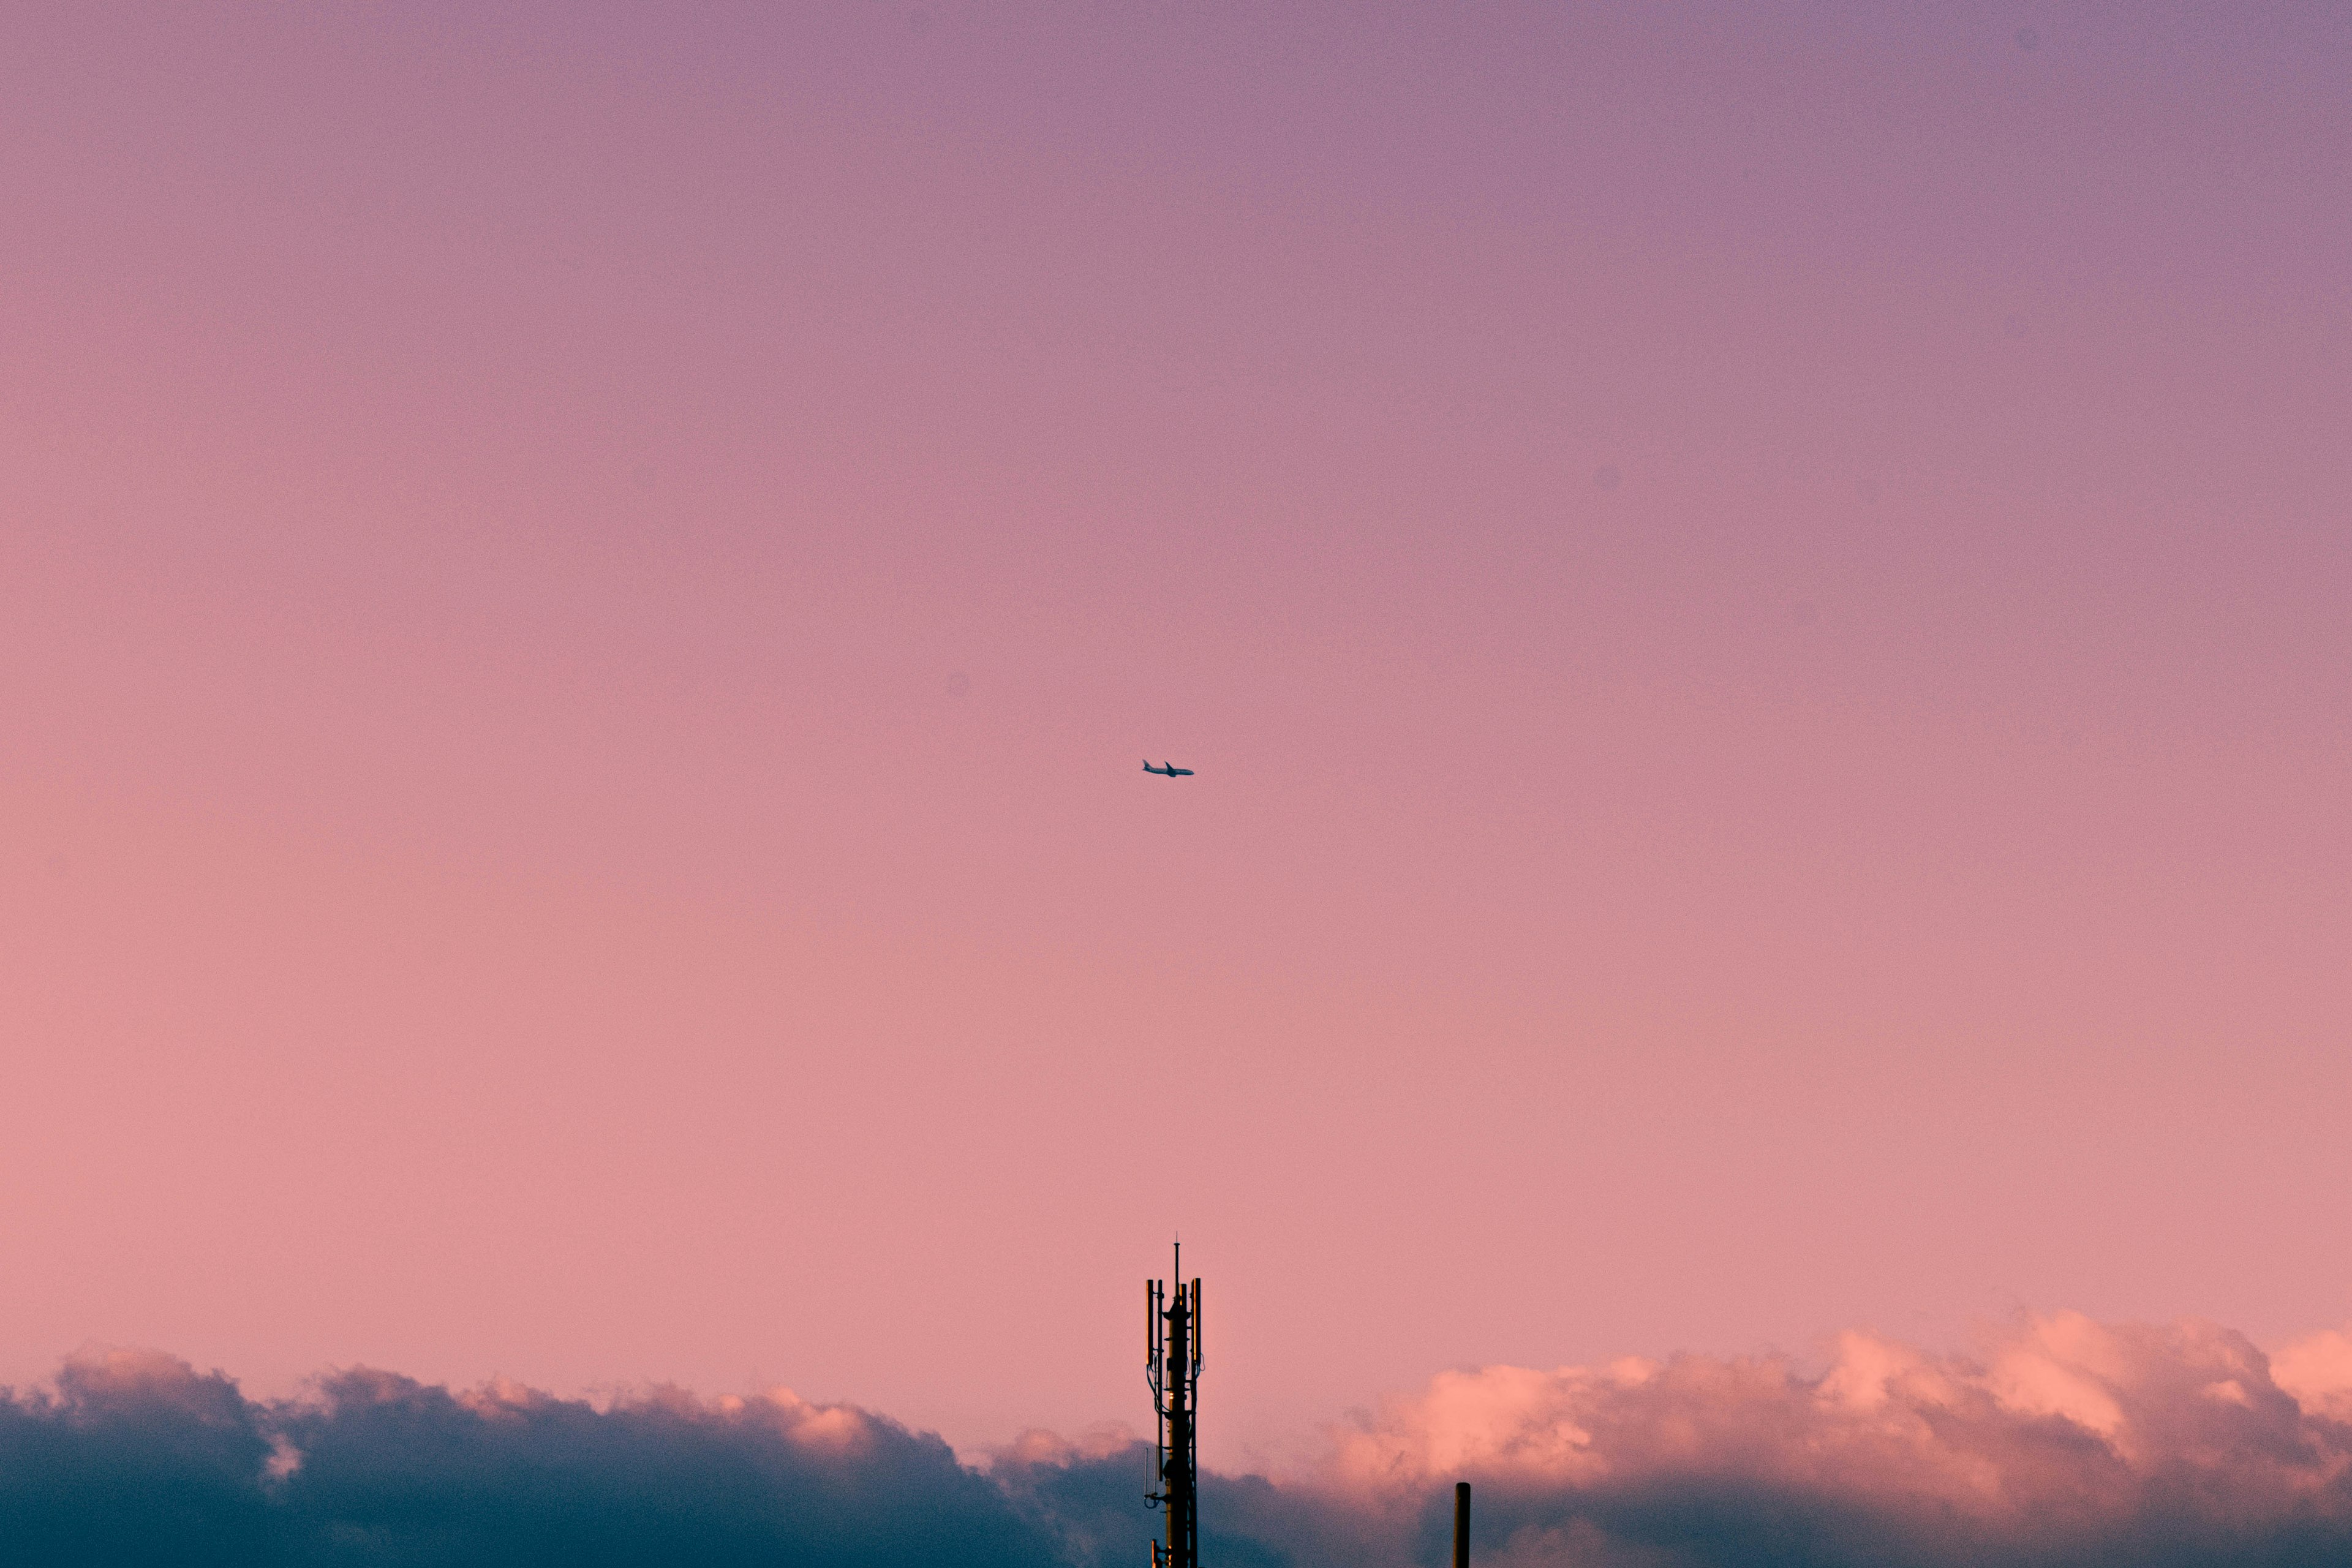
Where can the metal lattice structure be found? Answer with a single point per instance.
(1173, 1363)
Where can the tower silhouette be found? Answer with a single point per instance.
(1173, 1359)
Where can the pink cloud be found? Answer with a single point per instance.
(2316, 1370)
(2060, 1428)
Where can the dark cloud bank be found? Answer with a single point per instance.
(2068, 1442)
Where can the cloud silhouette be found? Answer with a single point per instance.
(2062, 1441)
(137, 1457)
(134, 1457)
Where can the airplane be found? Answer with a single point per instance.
(1168, 769)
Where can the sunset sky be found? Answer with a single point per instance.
(1761, 597)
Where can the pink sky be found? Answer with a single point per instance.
(1759, 603)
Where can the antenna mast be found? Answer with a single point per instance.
(1172, 1360)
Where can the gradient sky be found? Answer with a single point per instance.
(1759, 597)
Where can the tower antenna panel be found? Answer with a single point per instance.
(1172, 1355)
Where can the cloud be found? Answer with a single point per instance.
(133, 1458)
(2316, 1373)
(2065, 1440)
(2061, 1441)
(137, 1457)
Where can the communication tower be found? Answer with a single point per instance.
(1173, 1359)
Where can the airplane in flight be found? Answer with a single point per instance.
(1168, 769)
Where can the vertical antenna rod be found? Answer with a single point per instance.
(1172, 1352)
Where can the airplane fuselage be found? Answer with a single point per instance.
(1167, 770)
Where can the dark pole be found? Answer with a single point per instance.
(1182, 1522)
(1462, 1524)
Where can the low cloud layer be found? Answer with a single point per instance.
(136, 1457)
(2063, 1441)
